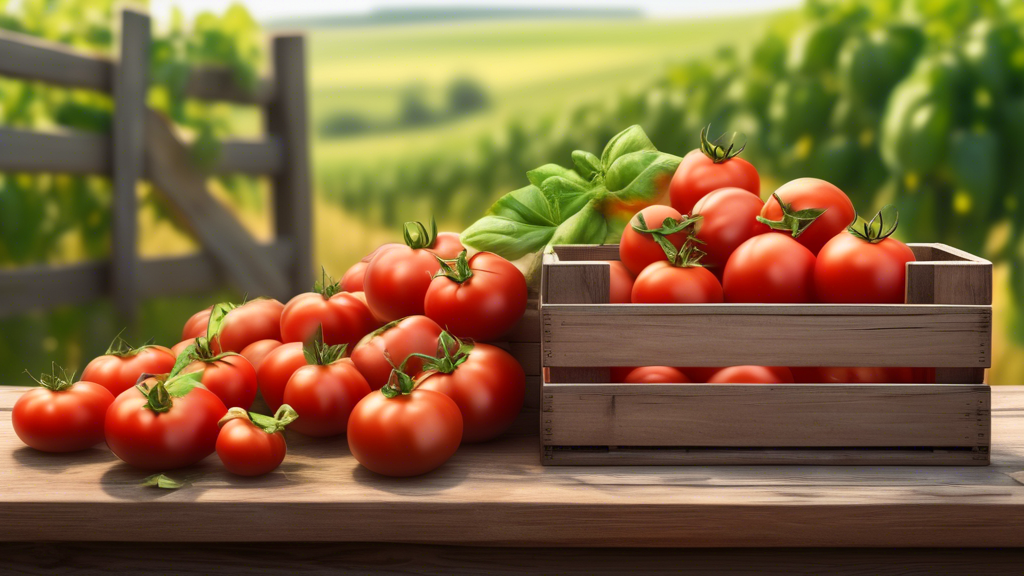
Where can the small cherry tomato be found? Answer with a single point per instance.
(480, 298)
(119, 369)
(486, 382)
(252, 444)
(161, 425)
(61, 416)
(656, 375)
(752, 375)
(400, 431)
(712, 166)
(769, 268)
(637, 249)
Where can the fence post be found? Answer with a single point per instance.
(131, 78)
(286, 120)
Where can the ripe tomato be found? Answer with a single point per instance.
(324, 395)
(637, 249)
(712, 166)
(275, 370)
(255, 320)
(752, 375)
(180, 347)
(162, 426)
(397, 279)
(699, 373)
(232, 378)
(621, 289)
(397, 340)
(119, 369)
(480, 298)
(61, 416)
(769, 268)
(447, 245)
(729, 218)
(656, 375)
(864, 266)
(407, 434)
(843, 375)
(665, 283)
(345, 317)
(253, 444)
(257, 351)
(814, 195)
(486, 382)
(352, 281)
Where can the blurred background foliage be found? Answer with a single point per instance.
(915, 102)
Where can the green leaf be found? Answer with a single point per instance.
(641, 176)
(588, 226)
(217, 318)
(162, 480)
(587, 164)
(528, 205)
(632, 139)
(537, 176)
(183, 384)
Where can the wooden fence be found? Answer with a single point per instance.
(143, 145)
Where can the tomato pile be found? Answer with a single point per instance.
(719, 242)
(391, 357)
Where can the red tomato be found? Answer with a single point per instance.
(699, 373)
(275, 370)
(257, 351)
(182, 434)
(656, 375)
(408, 435)
(752, 375)
(488, 385)
(119, 369)
(664, 283)
(231, 378)
(851, 270)
(480, 298)
(255, 320)
(729, 219)
(324, 396)
(618, 373)
(352, 281)
(61, 416)
(180, 347)
(397, 340)
(637, 250)
(621, 289)
(448, 245)
(344, 317)
(249, 450)
(707, 169)
(810, 193)
(378, 250)
(850, 375)
(769, 268)
(397, 281)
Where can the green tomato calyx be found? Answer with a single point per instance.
(122, 349)
(53, 381)
(452, 352)
(723, 148)
(794, 222)
(284, 416)
(417, 236)
(399, 384)
(880, 227)
(457, 269)
(326, 286)
(319, 353)
(688, 254)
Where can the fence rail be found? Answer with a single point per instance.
(144, 145)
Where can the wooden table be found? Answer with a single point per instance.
(498, 495)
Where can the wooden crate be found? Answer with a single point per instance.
(946, 324)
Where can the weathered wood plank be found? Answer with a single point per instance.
(767, 416)
(586, 252)
(287, 120)
(249, 157)
(625, 456)
(30, 58)
(131, 82)
(36, 287)
(66, 152)
(220, 233)
(766, 334)
(497, 493)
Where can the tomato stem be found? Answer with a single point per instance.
(326, 286)
(723, 148)
(451, 353)
(284, 416)
(794, 222)
(880, 227)
(399, 384)
(122, 349)
(416, 235)
(458, 273)
(319, 353)
(53, 381)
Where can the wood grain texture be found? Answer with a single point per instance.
(499, 494)
(65, 152)
(214, 226)
(766, 334)
(586, 252)
(388, 559)
(287, 121)
(767, 416)
(29, 58)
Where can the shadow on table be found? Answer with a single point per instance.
(58, 463)
(448, 476)
(124, 482)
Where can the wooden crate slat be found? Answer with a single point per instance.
(766, 416)
(763, 457)
(771, 335)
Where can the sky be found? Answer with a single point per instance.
(265, 10)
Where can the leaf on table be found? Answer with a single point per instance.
(162, 481)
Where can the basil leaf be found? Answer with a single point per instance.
(508, 237)
(566, 197)
(588, 226)
(588, 165)
(632, 139)
(641, 176)
(537, 176)
(527, 205)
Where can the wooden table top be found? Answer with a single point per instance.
(498, 494)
